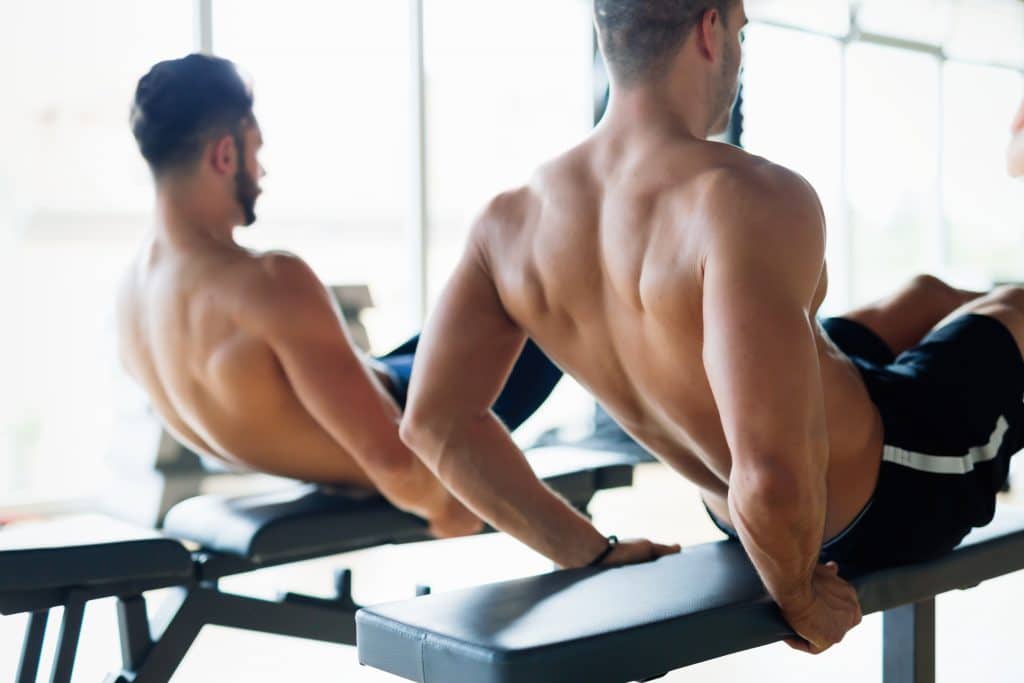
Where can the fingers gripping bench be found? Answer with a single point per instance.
(684, 609)
(71, 562)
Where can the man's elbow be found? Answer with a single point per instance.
(440, 439)
(775, 487)
(420, 433)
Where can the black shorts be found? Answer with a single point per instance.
(953, 412)
(531, 381)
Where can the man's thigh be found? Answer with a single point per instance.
(904, 318)
(1003, 304)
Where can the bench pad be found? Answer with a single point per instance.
(86, 551)
(306, 520)
(634, 623)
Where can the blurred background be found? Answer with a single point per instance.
(388, 124)
(897, 111)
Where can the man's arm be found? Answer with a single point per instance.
(304, 329)
(1015, 158)
(466, 353)
(760, 276)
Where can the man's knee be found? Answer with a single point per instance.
(929, 284)
(1008, 295)
(932, 289)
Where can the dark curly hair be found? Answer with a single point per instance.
(182, 103)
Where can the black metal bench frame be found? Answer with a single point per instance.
(153, 646)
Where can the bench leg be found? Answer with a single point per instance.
(67, 645)
(32, 648)
(151, 652)
(908, 650)
(133, 627)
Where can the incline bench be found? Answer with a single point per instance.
(70, 562)
(637, 623)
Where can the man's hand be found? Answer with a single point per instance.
(830, 611)
(637, 551)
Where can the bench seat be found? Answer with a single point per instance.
(305, 521)
(638, 622)
(85, 552)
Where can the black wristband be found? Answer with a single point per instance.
(612, 542)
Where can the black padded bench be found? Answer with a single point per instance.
(306, 521)
(640, 622)
(70, 562)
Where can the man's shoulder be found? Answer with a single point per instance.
(280, 289)
(554, 185)
(506, 209)
(750, 194)
(282, 271)
(502, 221)
(743, 180)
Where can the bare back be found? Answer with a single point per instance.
(191, 325)
(601, 261)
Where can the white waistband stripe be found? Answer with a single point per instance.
(941, 464)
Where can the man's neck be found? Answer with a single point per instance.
(652, 111)
(186, 217)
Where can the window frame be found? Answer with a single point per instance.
(936, 243)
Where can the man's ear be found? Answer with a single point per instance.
(224, 155)
(707, 30)
(1018, 123)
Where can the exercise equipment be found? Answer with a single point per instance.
(73, 561)
(639, 622)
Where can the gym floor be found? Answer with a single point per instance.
(660, 505)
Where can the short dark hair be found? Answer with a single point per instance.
(181, 103)
(640, 37)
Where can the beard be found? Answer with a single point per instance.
(727, 91)
(246, 189)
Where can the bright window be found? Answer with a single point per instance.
(918, 95)
(332, 100)
(893, 142)
(503, 96)
(74, 196)
(796, 125)
(984, 207)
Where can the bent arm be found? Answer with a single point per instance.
(1016, 153)
(466, 353)
(334, 385)
(761, 359)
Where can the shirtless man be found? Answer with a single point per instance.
(678, 280)
(244, 355)
(1016, 154)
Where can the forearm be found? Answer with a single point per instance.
(481, 464)
(363, 420)
(781, 521)
(413, 489)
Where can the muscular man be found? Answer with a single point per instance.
(1016, 153)
(244, 355)
(678, 280)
